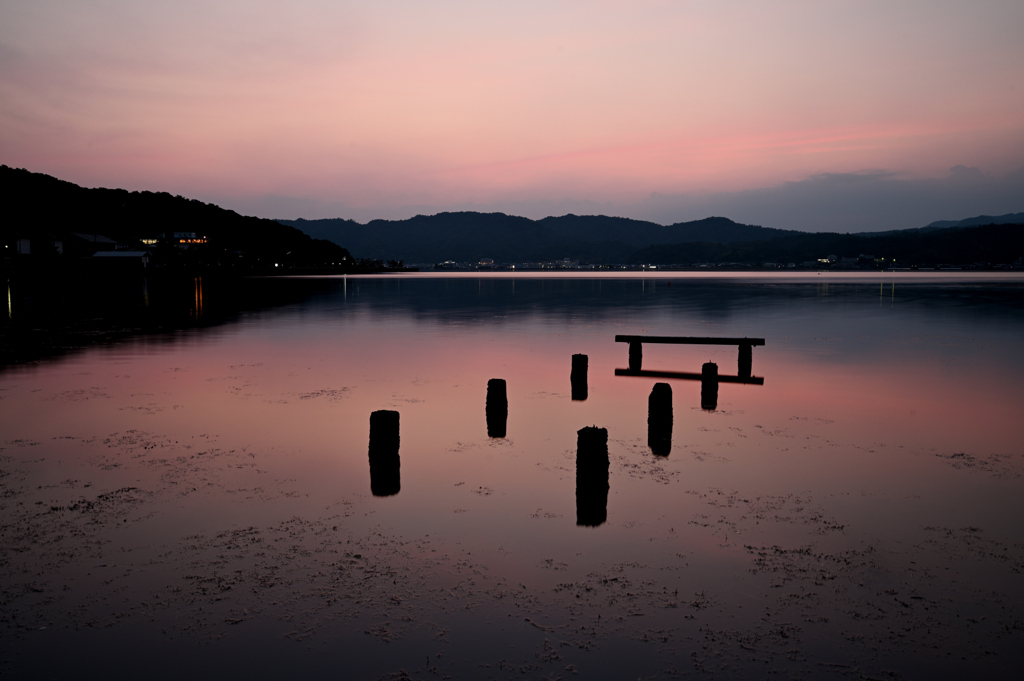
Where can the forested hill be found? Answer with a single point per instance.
(470, 236)
(981, 246)
(980, 220)
(44, 210)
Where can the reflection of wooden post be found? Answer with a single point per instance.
(659, 419)
(591, 476)
(496, 407)
(746, 360)
(636, 355)
(578, 377)
(385, 464)
(709, 386)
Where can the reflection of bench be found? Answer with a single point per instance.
(636, 350)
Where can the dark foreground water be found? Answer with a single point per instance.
(199, 504)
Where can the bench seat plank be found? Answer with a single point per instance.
(689, 340)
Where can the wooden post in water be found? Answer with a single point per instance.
(578, 377)
(659, 419)
(385, 464)
(496, 407)
(591, 476)
(709, 386)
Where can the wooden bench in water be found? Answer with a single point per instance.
(636, 356)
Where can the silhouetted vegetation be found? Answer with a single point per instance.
(53, 221)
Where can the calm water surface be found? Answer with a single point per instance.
(201, 503)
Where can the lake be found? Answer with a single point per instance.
(200, 502)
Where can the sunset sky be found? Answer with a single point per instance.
(847, 115)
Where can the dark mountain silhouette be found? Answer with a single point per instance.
(979, 221)
(988, 244)
(1008, 219)
(44, 210)
(470, 236)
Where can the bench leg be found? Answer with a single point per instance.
(746, 360)
(636, 355)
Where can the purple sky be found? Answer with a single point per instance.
(825, 115)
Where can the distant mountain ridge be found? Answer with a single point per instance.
(43, 212)
(1008, 219)
(982, 246)
(469, 236)
(940, 225)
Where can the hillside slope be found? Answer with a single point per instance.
(470, 236)
(44, 209)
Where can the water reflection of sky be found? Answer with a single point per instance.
(802, 523)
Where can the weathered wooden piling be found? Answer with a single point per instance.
(591, 476)
(385, 464)
(709, 386)
(578, 377)
(636, 355)
(659, 419)
(496, 407)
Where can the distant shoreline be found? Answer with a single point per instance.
(837, 276)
